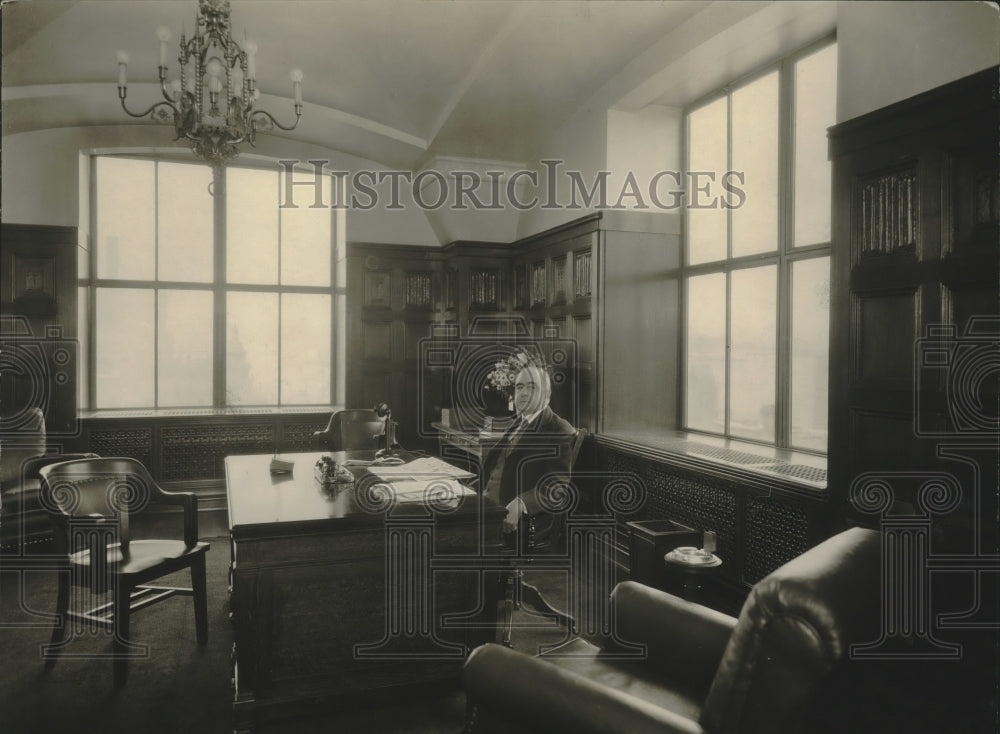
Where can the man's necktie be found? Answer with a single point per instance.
(509, 439)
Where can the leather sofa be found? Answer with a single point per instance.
(24, 524)
(782, 667)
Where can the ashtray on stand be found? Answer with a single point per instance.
(692, 563)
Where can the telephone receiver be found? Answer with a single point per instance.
(382, 410)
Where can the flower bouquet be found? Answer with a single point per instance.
(501, 378)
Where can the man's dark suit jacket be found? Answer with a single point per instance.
(541, 448)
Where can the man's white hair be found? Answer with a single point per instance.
(546, 377)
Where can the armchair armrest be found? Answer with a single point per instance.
(531, 695)
(189, 502)
(684, 641)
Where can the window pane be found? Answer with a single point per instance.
(252, 349)
(125, 349)
(305, 349)
(251, 226)
(755, 155)
(810, 349)
(707, 154)
(126, 211)
(305, 246)
(815, 111)
(184, 224)
(753, 353)
(184, 339)
(706, 353)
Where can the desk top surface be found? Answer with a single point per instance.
(258, 497)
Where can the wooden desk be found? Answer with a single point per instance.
(323, 612)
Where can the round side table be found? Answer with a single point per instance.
(694, 565)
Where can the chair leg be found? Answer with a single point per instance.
(532, 597)
(120, 643)
(507, 606)
(198, 584)
(62, 620)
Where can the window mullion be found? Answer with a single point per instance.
(786, 222)
(156, 284)
(92, 292)
(727, 425)
(279, 279)
(334, 239)
(729, 352)
(219, 287)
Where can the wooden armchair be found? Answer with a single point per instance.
(92, 502)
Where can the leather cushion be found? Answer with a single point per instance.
(634, 677)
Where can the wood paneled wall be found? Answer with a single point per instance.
(915, 311)
(38, 302)
(399, 296)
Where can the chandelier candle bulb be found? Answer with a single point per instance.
(163, 33)
(122, 65)
(251, 60)
(297, 82)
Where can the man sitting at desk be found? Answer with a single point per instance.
(537, 444)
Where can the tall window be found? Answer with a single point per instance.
(199, 302)
(757, 266)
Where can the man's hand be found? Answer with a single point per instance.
(515, 508)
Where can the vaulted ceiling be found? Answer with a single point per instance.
(395, 81)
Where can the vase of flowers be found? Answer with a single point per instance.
(498, 393)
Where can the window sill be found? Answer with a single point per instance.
(207, 412)
(795, 470)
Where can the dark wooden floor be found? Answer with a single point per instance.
(180, 688)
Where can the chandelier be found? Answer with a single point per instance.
(212, 103)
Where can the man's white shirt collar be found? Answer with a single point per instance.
(526, 419)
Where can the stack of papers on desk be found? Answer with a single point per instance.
(428, 467)
(444, 491)
(425, 479)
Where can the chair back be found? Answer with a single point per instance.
(794, 634)
(354, 429)
(98, 492)
(549, 538)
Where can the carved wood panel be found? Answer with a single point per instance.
(484, 290)
(419, 291)
(888, 213)
(581, 274)
(538, 284)
(558, 289)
